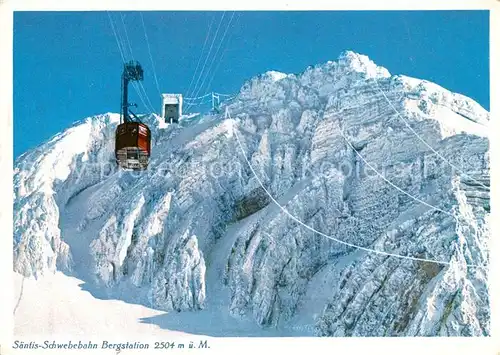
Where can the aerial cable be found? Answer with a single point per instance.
(116, 37)
(207, 98)
(144, 93)
(205, 95)
(195, 91)
(230, 96)
(196, 98)
(150, 56)
(128, 54)
(123, 60)
(217, 52)
(208, 94)
(204, 101)
(201, 55)
(201, 102)
(370, 250)
(220, 59)
(120, 42)
(137, 85)
(389, 182)
(215, 56)
(122, 50)
(423, 141)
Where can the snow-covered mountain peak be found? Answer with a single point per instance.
(324, 80)
(454, 112)
(362, 64)
(275, 75)
(54, 161)
(344, 82)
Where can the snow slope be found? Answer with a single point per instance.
(63, 308)
(197, 236)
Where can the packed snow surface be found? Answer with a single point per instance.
(195, 244)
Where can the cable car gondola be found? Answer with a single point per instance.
(132, 137)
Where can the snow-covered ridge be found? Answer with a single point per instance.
(197, 231)
(454, 111)
(275, 75)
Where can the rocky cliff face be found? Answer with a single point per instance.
(384, 162)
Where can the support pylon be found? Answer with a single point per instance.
(215, 103)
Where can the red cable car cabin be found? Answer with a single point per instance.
(132, 138)
(133, 145)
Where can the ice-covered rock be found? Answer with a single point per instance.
(389, 163)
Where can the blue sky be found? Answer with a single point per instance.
(67, 65)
